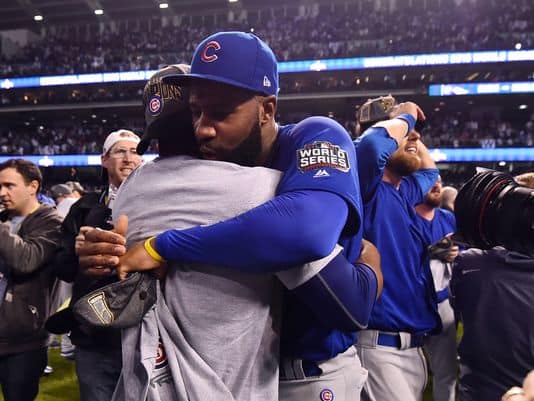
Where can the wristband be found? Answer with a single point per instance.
(408, 119)
(151, 251)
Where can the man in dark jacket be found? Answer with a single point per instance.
(98, 351)
(29, 237)
(492, 295)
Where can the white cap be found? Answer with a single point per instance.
(119, 135)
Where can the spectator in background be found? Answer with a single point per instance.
(62, 291)
(29, 237)
(64, 198)
(76, 188)
(98, 351)
(448, 196)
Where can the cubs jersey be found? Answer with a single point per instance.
(407, 302)
(317, 154)
(442, 225)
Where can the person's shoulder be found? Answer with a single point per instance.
(44, 212)
(316, 131)
(317, 125)
(446, 215)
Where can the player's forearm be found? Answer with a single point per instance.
(397, 128)
(426, 159)
(292, 229)
(373, 149)
(424, 178)
(341, 295)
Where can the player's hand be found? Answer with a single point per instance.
(80, 238)
(371, 257)
(452, 254)
(137, 259)
(99, 251)
(410, 108)
(521, 394)
(369, 254)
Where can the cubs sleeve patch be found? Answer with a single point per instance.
(320, 155)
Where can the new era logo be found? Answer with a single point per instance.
(321, 173)
(266, 81)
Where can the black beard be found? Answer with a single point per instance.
(402, 164)
(248, 151)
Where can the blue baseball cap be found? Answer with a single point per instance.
(234, 58)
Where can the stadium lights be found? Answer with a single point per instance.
(518, 46)
(233, 1)
(523, 107)
(37, 17)
(163, 5)
(99, 11)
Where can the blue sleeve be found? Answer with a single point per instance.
(373, 150)
(414, 187)
(341, 295)
(289, 230)
(318, 154)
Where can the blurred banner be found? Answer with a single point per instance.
(411, 60)
(490, 88)
(445, 155)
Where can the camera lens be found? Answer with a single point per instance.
(492, 209)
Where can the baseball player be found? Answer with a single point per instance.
(234, 84)
(396, 171)
(437, 225)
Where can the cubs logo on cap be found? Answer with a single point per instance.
(234, 58)
(208, 54)
(154, 105)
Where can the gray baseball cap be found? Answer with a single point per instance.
(60, 190)
(118, 305)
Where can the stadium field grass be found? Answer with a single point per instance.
(62, 384)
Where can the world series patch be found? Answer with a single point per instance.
(322, 154)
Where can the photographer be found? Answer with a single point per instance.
(491, 288)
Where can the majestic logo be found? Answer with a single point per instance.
(320, 155)
(321, 174)
(99, 305)
(207, 54)
(154, 105)
(326, 395)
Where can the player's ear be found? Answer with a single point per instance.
(267, 109)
